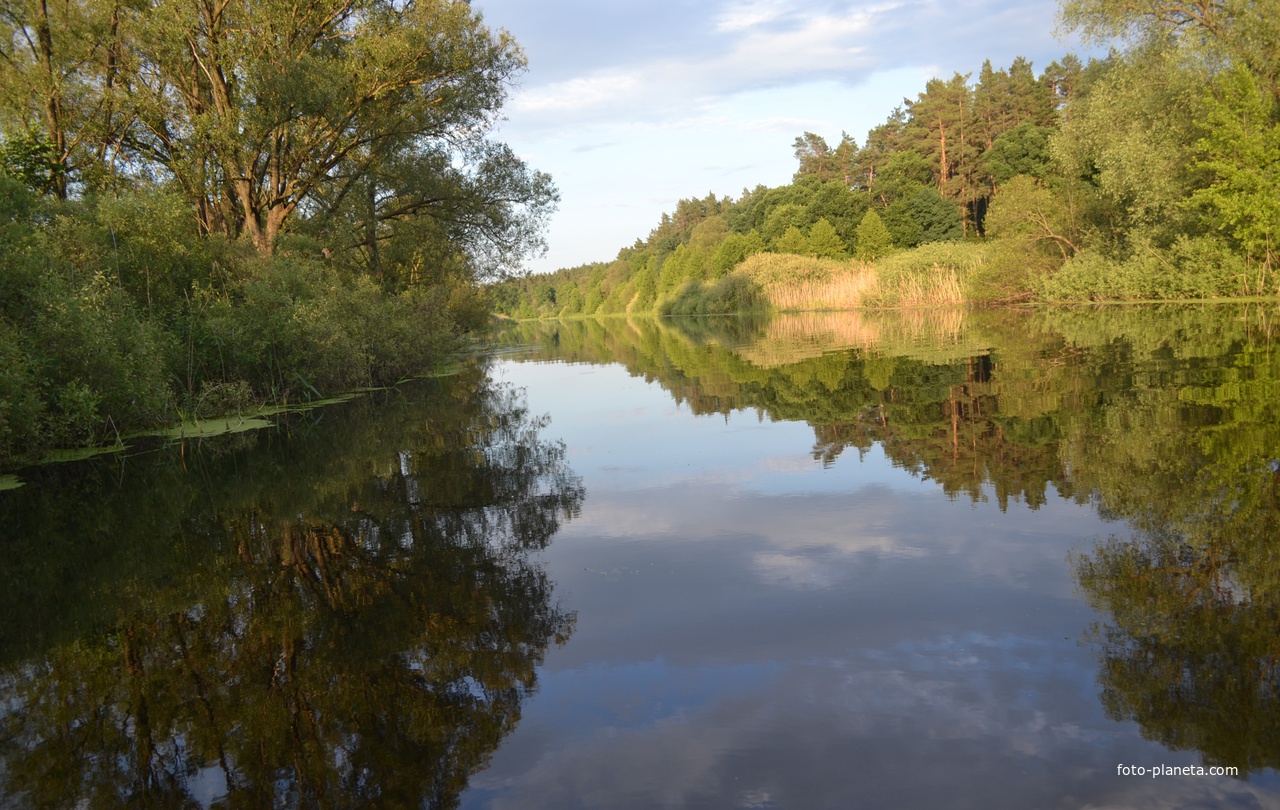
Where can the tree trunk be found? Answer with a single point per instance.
(53, 99)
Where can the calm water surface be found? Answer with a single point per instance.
(927, 560)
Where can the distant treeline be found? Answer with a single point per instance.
(1153, 173)
(208, 206)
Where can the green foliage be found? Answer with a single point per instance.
(312, 208)
(1130, 138)
(676, 270)
(115, 315)
(296, 328)
(839, 205)
(730, 295)
(95, 364)
(920, 214)
(874, 239)
(21, 408)
(824, 242)
(1027, 213)
(1240, 154)
(1021, 150)
(791, 241)
(734, 250)
(362, 117)
(783, 218)
(1199, 267)
(31, 159)
(819, 160)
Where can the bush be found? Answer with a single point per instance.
(295, 328)
(1199, 267)
(733, 293)
(115, 312)
(21, 409)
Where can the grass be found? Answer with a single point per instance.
(932, 275)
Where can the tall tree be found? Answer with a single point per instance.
(819, 160)
(942, 128)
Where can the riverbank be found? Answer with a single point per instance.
(117, 318)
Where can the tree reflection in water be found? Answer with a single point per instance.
(1167, 418)
(361, 633)
(1189, 647)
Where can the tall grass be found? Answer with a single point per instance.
(928, 276)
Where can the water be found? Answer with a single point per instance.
(929, 560)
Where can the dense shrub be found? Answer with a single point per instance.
(734, 293)
(297, 328)
(116, 316)
(1201, 267)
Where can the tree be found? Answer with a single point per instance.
(883, 142)
(814, 155)
(1024, 208)
(824, 242)
(788, 215)
(791, 241)
(819, 160)
(1130, 139)
(1021, 150)
(33, 161)
(839, 205)
(264, 111)
(942, 128)
(923, 215)
(733, 250)
(1239, 32)
(874, 239)
(1240, 153)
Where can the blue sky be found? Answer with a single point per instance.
(631, 105)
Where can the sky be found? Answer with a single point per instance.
(631, 105)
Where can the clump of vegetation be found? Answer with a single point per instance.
(793, 283)
(935, 274)
(724, 296)
(159, 255)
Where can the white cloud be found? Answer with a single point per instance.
(579, 94)
(740, 16)
(675, 90)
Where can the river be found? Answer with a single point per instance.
(928, 559)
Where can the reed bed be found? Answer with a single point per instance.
(931, 275)
(936, 287)
(846, 291)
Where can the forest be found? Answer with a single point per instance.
(206, 206)
(1150, 174)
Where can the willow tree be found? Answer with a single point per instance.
(260, 111)
(254, 106)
